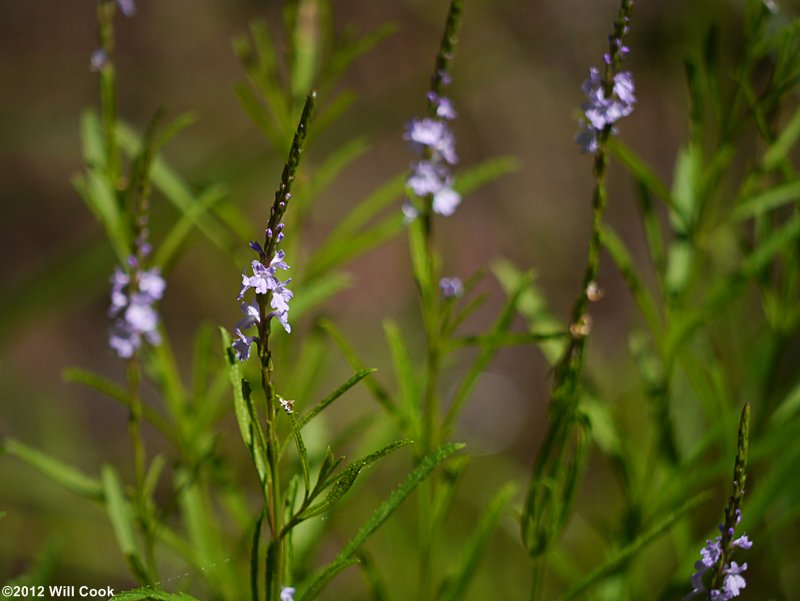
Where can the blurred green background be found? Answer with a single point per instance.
(517, 76)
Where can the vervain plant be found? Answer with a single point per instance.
(715, 286)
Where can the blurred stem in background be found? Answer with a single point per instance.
(559, 465)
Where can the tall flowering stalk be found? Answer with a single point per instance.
(610, 96)
(272, 302)
(717, 576)
(135, 289)
(430, 184)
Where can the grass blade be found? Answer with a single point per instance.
(346, 555)
(628, 551)
(352, 381)
(456, 585)
(59, 472)
(122, 521)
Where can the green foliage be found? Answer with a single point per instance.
(639, 425)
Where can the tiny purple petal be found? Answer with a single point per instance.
(98, 60)
(242, 345)
(451, 287)
(128, 7)
(287, 592)
(283, 319)
(251, 316)
(445, 201)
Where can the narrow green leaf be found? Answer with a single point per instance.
(330, 113)
(421, 260)
(153, 474)
(59, 472)
(532, 306)
(403, 369)
(92, 143)
(378, 392)
(368, 208)
(118, 393)
(352, 381)
(640, 170)
(122, 519)
(306, 43)
(248, 427)
(484, 173)
(334, 164)
(783, 144)
(254, 558)
(346, 249)
(500, 328)
(346, 555)
(622, 259)
(623, 555)
(100, 198)
(301, 450)
(176, 190)
(204, 534)
(763, 202)
(258, 113)
(339, 484)
(350, 51)
(176, 236)
(455, 586)
(319, 290)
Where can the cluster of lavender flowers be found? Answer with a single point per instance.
(610, 96)
(133, 295)
(265, 283)
(434, 143)
(733, 581)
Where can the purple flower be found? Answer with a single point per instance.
(242, 345)
(132, 307)
(451, 287)
(427, 178)
(263, 278)
(587, 138)
(445, 201)
(434, 136)
(610, 95)
(287, 593)
(251, 316)
(263, 281)
(443, 105)
(98, 60)
(128, 7)
(410, 212)
(732, 582)
(602, 111)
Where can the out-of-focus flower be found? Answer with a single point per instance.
(135, 318)
(451, 287)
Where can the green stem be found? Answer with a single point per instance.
(537, 577)
(134, 374)
(108, 89)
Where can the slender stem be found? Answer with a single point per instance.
(537, 577)
(108, 89)
(432, 316)
(134, 375)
